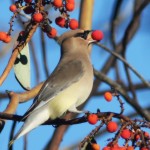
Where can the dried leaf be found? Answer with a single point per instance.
(22, 68)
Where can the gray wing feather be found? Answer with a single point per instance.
(62, 77)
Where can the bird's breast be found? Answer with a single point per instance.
(86, 87)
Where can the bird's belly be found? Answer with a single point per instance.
(85, 91)
(75, 95)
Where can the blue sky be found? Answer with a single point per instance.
(138, 55)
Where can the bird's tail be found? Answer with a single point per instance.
(36, 118)
(11, 143)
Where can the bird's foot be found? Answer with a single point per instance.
(75, 110)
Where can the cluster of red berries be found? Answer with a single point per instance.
(64, 6)
(126, 133)
(69, 5)
(5, 37)
(63, 21)
(117, 147)
(113, 127)
(93, 118)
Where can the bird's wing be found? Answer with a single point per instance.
(63, 76)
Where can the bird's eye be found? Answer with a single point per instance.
(84, 34)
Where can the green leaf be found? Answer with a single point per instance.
(22, 68)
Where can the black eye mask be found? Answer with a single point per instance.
(84, 34)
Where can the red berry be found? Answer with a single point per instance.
(37, 17)
(13, 8)
(28, 10)
(52, 33)
(112, 126)
(106, 148)
(146, 134)
(28, 1)
(97, 35)
(3, 36)
(122, 148)
(143, 148)
(137, 137)
(22, 33)
(114, 146)
(108, 96)
(130, 148)
(58, 3)
(73, 24)
(92, 118)
(70, 6)
(7, 39)
(95, 146)
(60, 21)
(126, 134)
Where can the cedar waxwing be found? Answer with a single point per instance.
(67, 87)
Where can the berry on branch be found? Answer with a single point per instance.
(57, 3)
(146, 135)
(13, 8)
(106, 148)
(70, 6)
(112, 126)
(126, 134)
(73, 24)
(37, 17)
(95, 146)
(108, 96)
(52, 33)
(130, 148)
(97, 35)
(144, 148)
(60, 21)
(3, 36)
(92, 118)
(137, 137)
(7, 39)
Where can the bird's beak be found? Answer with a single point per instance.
(90, 40)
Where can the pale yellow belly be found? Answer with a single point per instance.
(75, 95)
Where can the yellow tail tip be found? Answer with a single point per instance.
(11, 143)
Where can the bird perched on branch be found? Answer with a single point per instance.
(67, 87)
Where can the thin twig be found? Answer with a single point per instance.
(79, 120)
(114, 22)
(14, 55)
(123, 92)
(12, 133)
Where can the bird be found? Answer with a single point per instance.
(68, 86)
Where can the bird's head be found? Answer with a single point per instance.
(79, 33)
(75, 41)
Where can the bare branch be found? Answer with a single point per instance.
(125, 62)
